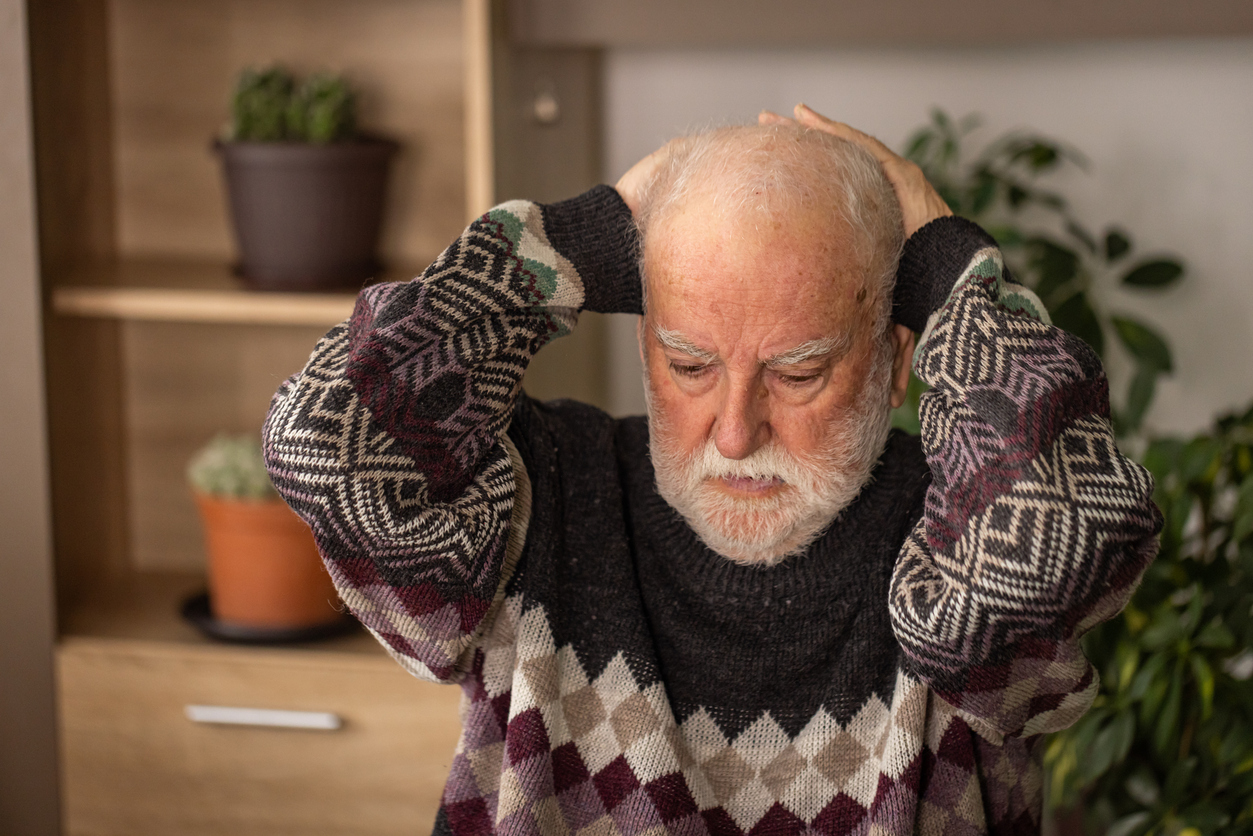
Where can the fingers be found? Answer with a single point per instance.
(632, 184)
(768, 117)
(919, 202)
(812, 119)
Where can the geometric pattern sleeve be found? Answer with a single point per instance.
(1035, 527)
(391, 442)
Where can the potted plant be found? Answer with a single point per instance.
(305, 188)
(264, 570)
(1003, 187)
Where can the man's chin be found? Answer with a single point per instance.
(762, 538)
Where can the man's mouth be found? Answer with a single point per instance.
(749, 484)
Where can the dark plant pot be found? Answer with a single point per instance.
(307, 217)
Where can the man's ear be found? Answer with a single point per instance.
(903, 338)
(639, 339)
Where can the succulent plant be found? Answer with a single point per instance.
(322, 110)
(231, 467)
(259, 106)
(270, 106)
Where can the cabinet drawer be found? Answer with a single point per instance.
(134, 763)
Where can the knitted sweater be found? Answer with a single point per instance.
(618, 677)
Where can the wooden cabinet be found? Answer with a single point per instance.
(133, 762)
(153, 346)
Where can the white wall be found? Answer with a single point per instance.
(1167, 126)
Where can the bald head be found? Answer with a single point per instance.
(758, 176)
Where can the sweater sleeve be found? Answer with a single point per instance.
(1035, 527)
(391, 443)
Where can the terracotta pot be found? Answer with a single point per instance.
(264, 569)
(307, 217)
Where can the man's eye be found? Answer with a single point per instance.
(799, 379)
(688, 369)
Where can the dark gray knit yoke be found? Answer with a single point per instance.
(606, 551)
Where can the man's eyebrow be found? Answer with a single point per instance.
(822, 348)
(675, 341)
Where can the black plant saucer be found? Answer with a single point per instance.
(196, 610)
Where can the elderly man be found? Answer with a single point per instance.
(759, 611)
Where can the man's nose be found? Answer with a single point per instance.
(743, 423)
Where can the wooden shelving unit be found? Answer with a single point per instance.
(154, 346)
(189, 291)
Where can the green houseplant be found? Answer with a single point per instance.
(264, 569)
(306, 188)
(1167, 748)
(1003, 188)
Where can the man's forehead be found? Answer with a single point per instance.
(804, 235)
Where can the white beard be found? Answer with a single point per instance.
(815, 489)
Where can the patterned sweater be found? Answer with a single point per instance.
(618, 677)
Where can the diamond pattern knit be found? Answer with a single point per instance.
(620, 679)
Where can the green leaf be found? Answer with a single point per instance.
(1053, 264)
(1166, 731)
(1129, 825)
(1076, 316)
(1235, 746)
(1205, 815)
(1161, 457)
(1177, 780)
(1126, 659)
(1143, 343)
(1151, 671)
(982, 193)
(1042, 156)
(1116, 244)
(1142, 787)
(1192, 616)
(1244, 510)
(1082, 236)
(1139, 396)
(968, 123)
(1204, 683)
(1215, 634)
(1123, 734)
(1151, 706)
(950, 195)
(919, 144)
(1244, 499)
(1160, 273)
(1178, 512)
(1200, 460)
(1098, 757)
(1007, 237)
(1164, 629)
(1243, 527)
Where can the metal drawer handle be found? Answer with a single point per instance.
(233, 716)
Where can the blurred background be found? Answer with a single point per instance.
(132, 333)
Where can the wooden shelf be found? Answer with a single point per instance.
(143, 609)
(192, 291)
